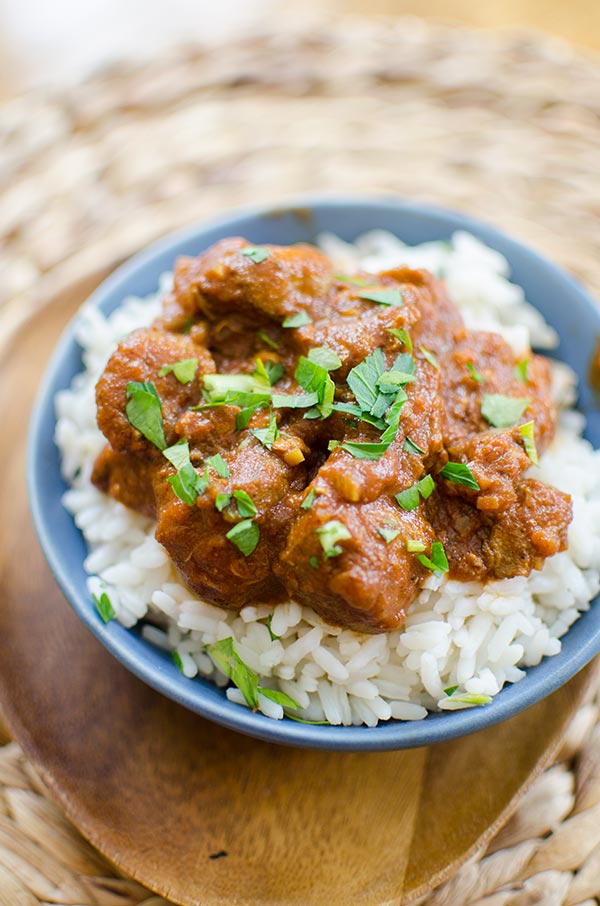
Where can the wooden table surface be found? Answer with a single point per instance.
(62, 40)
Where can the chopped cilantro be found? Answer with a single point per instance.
(382, 296)
(471, 698)
(329, 535)
(144, 412)
(390, 381)
(299, 320)
(294, 400)
(460, 474)
(476, 375)
(353, 281)
(429, 356)
(267, 339)
(230, 663)
(521, 371)
(104, 607)
(401, 335)
(256, 253)
(176, 658)
(309, 500)
(179, 454)
(272, 635)
(363, 378)
(409, 498)
(315, 379)
(502, 411)
(217, 463)
(184, 371)
(280, 698)
(268, 372)
(314, 723)
(325, 357)
(224, 388)
(314, 562)
(245, 504)
(267, 436)
(245, 535)
(222, 501)
(365, 450)
(414, 546)
(411, 447)
(188, 325)
(528, 435)
(187, 484)
(388, 532)
(438, 562)
(450, 690)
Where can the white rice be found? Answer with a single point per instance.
(474, 636)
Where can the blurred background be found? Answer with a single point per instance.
(44, 41)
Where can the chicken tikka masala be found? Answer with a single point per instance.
(330, 438)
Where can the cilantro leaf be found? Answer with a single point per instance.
(245, 504)
(176, 658)
(299, 320)
(409, 498)
(429, 356)
(179, 454)
(528, 435)
(217, 463)
(222, 501)
(365, 450)
(502, 411)
(256, 253)
(184, 371)
(294, 400)
(388, 532)
(104, 607)
(390, 381)
(362, 379)
(476, 375)
(460, 473)
(267, 436)
(219, 387)
(280, 698)
(267, 372)
(414, 546)
(267, 339)
(438, 562)
(313, 562)
(521, 371)
(144, 412)
(471, 698)
(329, 535)
(245, 535)
(450, 690)
(325, 357)
(230, 663)
(411, 447)
(382, 296)
(401, 335)
(313, 378)
(308, 500)
(187, 484)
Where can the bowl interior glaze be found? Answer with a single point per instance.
(564, 304)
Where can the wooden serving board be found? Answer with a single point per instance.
(202, 815)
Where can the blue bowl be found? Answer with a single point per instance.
(561, 300)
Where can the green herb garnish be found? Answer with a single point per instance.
(382, 296)
(187, 484)
(104, 607)
(179, 454)
(309, 500)
(267, 372)
(325, 357)
(502, 411)
(521, 372)
(225, 388)
(217, 463)
(388, 532)
(459, 473)
(245, 504)
(438, 562)
(299, 320)
(222, 501)
(267, 339)
(313, 562)
(414, 546)
(256, 253)
(471, 698)
(144, 412)
(429, 356)
(184, 371)
(528, 435)
(268, 622)
(409, 498)
(450, 690)
(329, 535)
(267, 436)
(476, 375)
(411, 447)
(401, 335)
(227, 659)
(294, 400)
(245, 535)
(314, 378)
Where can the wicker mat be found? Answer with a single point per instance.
(504, 125)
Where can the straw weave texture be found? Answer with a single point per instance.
(505, 126)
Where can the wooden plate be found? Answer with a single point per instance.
(196, 812)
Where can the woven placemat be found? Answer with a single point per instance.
(503, 125)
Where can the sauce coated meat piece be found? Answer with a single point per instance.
(335, 440)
